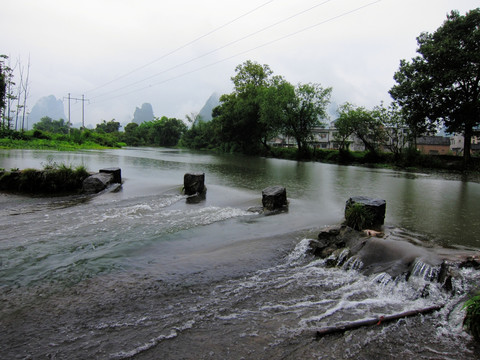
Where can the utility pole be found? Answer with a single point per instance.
(69, 113)
(83, 109)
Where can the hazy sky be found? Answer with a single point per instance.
(175, 54)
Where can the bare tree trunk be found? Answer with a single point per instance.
(376, 321)
(25, 94)
(19, 93)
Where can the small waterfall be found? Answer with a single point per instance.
(382, 279)
(344, 254)
(425, 271)
(353, 263)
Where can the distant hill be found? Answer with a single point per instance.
(206, 112)
(143, 114)
(47, 106)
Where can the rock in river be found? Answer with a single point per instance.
(274, 197)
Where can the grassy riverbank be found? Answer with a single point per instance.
(47, 144)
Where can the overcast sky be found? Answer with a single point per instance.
(175, 54)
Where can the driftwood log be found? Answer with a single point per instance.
(376, 321)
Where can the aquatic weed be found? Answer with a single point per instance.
(358, 216)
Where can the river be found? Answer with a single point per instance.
(143, 273)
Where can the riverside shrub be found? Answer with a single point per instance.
(471, 322)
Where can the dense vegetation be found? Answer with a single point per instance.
(53, 179)
(441, 86)
(57, 134)
(261, 107)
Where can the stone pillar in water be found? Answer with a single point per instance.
(274, 197)
(194, 183)
(116, 173)
(377, 207)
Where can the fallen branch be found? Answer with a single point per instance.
(377, 321)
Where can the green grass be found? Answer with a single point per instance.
(47, 144)
(358, 216)
(53, 179)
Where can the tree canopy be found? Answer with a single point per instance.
(364, 124)
(442, 84)
(111, 126)
(263, 105)
(52, 126)
(158, 132)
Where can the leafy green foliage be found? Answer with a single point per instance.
(3, 84)
(159, 132)
(471, 322)
(442, 85)
(363, 123)
(202, 135)
(47, 124)
(109, 127)
(396, 133)
(261, 107)
(53, 179)
(304, 112)
(358, 216)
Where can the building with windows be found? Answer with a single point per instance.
(433, 145)
(457, 144)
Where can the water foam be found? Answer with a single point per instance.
(153, 342)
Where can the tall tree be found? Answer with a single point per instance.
(442, 84)
(275, 100)
(395, 130)
(53, 126)
(305, 111)
(167, 131)
(3, 85)
(111, 126)
(8, 96)
(363, 124)
(239, 112)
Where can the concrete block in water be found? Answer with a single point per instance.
(376, 206)
(194, 183)
(116, 172)
(97, 182)
(274, 197)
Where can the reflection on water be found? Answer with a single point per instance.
(443, 209)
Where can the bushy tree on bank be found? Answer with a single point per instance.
(47, 124)
(442, 84)
(362, 123)
(109, 127)
(238, 116)
(261, 107)
(158, 132)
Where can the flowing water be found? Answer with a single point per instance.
(144, 273)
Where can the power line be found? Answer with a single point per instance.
(181, 47)
(217, 49)
(83, 108)
(249, 50)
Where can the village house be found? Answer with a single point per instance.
(457, 143)
(433, 145)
